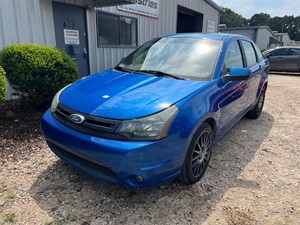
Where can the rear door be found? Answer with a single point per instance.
(292, 61)
(276, 59)
(256, 67)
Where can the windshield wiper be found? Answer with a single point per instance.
(155, 72)
(160, 73)
(124, 69)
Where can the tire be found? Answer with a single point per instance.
(198, 155)
(256, 111)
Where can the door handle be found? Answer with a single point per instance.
(85, 53)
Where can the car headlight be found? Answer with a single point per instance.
(152, 127)
(55, 100)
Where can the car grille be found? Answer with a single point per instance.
(97, 170)
(97, 126)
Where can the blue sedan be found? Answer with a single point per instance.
(156, 115)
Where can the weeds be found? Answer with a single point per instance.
(9, 217)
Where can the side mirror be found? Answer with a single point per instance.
(237, 73)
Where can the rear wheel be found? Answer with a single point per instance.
(198, 155)
(256, 111)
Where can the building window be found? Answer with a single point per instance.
(116, 30)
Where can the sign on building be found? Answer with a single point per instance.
(142, 7)
(210, 26)
(71, 37)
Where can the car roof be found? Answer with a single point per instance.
(284, 47)
(217, 36)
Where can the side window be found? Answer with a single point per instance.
(294, 51)
(258, 52)
(249, 53)
(277, 52)
(233, 56)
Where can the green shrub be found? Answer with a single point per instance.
(2, 85)
(264, 49)
(37, 72)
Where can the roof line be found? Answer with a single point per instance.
(215, 5)
(247, 28)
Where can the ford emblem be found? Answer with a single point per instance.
(76, 118)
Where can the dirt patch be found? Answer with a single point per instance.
(253, 178)
(20, 131)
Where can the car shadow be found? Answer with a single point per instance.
(67, 195)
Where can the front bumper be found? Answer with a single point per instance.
(117, 161)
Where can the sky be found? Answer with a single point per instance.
(247, 8)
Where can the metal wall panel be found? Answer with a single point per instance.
(263, 37)
(28, 21)
(8, 22)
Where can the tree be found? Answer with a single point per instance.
(261, 19)
(232, 19)
(289, 24)
(295, 29)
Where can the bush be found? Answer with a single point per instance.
(37, 72)
(264, 49)
(2, 85)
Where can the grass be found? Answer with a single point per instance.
(9, 217)
(2, 189)
(8, 193)
(72, 218)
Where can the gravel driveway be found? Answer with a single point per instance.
(253, 177)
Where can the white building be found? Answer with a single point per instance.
(97, 38)
(283, 38)
(261, 35)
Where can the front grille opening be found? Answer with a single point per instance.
(96, 126)
(64, 112)
(98, 171)
(98, 123)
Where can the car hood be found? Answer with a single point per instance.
(121, 95)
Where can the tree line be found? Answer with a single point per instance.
(287, 24)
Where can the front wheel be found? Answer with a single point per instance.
(256, 111)
(198, 155)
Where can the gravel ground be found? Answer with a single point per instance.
(253, 177)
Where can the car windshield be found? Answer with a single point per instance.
(182, 58)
